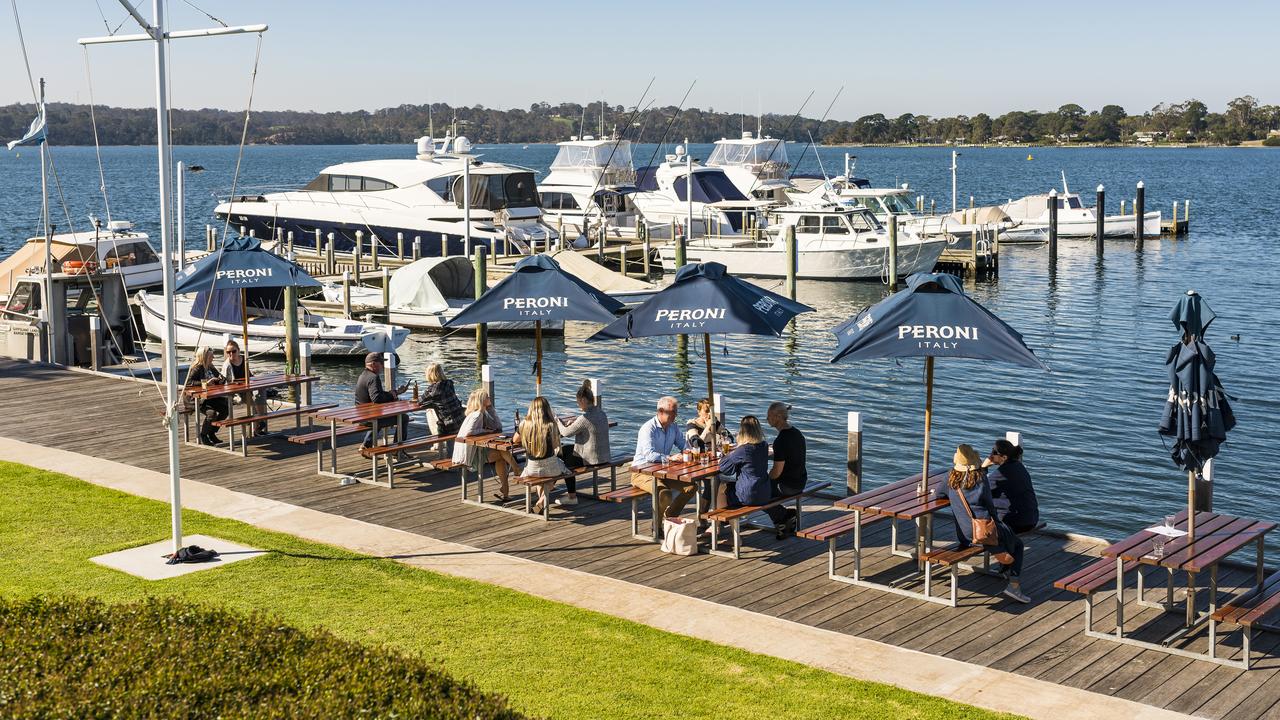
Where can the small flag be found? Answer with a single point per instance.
(35, 134)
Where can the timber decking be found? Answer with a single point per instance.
(119, 420)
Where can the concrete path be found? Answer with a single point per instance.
(835, 652)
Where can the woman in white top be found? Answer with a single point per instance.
(539, 433)
(482, 419)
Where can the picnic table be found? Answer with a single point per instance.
(371, 414)
(253, 384)
(1217, 536)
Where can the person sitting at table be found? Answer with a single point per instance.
(970, 499)
(539, 434)
(1010, 483)
(202, 373)
(233, 369)
(699, 431)
(788, 473)
(590, 434)
(655, 441)
(440, 398)
(747, 465)
(481, 419)
(369, 390)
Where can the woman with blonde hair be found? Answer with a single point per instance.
(539, 433)
(748, 465)
(482, 419)
(970, 496)
(203, 373)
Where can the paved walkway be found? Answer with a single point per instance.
(832, 651)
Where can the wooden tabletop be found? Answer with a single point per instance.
(256, 382)
(493, 441)
(687, 472)
(1217, 536)
(367, 412)
(901, 499)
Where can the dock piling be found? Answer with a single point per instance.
(290, 329)
(289, 241)
(893, 252)
(1139, 206)
(793, 261)
(209, 238)
(417, 248)
(1100, 211)
(444, 245)
(374, 247)
(346, 294)
(1053, 229)
(853, 465)
(95, 327)
(481, 280)
(400, 246)
(595, 390)
(679, 243)
(357, 256)
(304, 368)
(386, 289)
(330, 262)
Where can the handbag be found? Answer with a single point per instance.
(983, 530)
(679, 536)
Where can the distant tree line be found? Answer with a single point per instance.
(1243, 119)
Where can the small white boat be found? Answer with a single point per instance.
(1074, 219)
(719, 208)
(327, 336)
(757, 166)
(834, 242)
(589, 187)
(119, 251)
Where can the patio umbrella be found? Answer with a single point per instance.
(1197, 415)
(932, 317)
(706, 300)
(238, 271)
(538, 290)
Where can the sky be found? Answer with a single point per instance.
(931, 58)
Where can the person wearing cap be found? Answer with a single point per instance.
(788, 473)
(369, 390)
(1015, 498)
(970, 498)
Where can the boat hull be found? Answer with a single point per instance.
(863, 263)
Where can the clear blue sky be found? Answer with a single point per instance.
(934, 58)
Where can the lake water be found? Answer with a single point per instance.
(1089, 426)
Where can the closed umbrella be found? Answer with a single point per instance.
(538, 290)
(1197, 415)
(239, 271)
(705, 300)
(932, 317)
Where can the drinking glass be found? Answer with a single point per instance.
(1157, 546)
(1168, 521)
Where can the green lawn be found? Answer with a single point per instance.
(549, 659)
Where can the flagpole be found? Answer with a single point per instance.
(54, 341)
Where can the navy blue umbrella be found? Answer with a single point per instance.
(538, 290)
(1197, 415)
(932, 317)
(705, 300)
(239, 268)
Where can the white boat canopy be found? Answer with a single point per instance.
(748, 152)
(427, 284)
(594, 154)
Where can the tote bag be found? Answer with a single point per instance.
(679, 536)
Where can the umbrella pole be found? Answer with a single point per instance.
(244, 329)
(537, 340)
(922, 527)
(1191, 537)
(711, 389)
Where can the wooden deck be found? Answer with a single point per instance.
(111, 419)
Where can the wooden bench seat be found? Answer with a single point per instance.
(388, 453)
(321, 439)
(633, 495)
(287, 412)
(735, 516)
(547, 483)
(612, 466)
(838, 527)
(1092, 578)
(1246, 610)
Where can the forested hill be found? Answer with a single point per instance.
(1190, 121)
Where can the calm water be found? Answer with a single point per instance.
(1088, 426)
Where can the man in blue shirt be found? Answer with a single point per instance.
(657, 438)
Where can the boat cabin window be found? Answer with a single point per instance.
(499, 191)
(863, 222)
(898, 204)
(809, 224)
(559, 201)
(442, 186)
(25, 300)
(348, 183)
(709, 187)
(1074, 203)
(130, 254)
(833, 225)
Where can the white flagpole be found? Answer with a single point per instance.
(55, 340)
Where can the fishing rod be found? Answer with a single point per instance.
(824, 119)
(786, 131)
(679, 109)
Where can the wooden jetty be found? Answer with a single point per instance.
(82, 412)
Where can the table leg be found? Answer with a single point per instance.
(1261, 566)
(333, 446)
(857, 544)
(1191, 599)
(1119, 597)
(375, 444)
(297, 406)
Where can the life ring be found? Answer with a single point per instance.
(79, 267)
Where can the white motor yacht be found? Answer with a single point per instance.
(118, 251)
(589, 187)
(1074, 219)
(757, 166)
(418, 200)
(833, 242)
(719, 207)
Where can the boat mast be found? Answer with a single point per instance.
(155, 32)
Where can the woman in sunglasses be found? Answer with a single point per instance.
(1015, 498)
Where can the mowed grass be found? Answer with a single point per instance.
(550, 659)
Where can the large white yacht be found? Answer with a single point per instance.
(719, 207)
(757, 166)
(833, 242)
(589, 187)
(421, 200)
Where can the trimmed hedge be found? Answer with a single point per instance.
(70, 657)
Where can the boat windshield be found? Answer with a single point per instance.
(755, 153)
(613, 155)
(709, 187)
(898, 204)
(499, 191)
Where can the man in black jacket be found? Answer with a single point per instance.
(369, 390)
